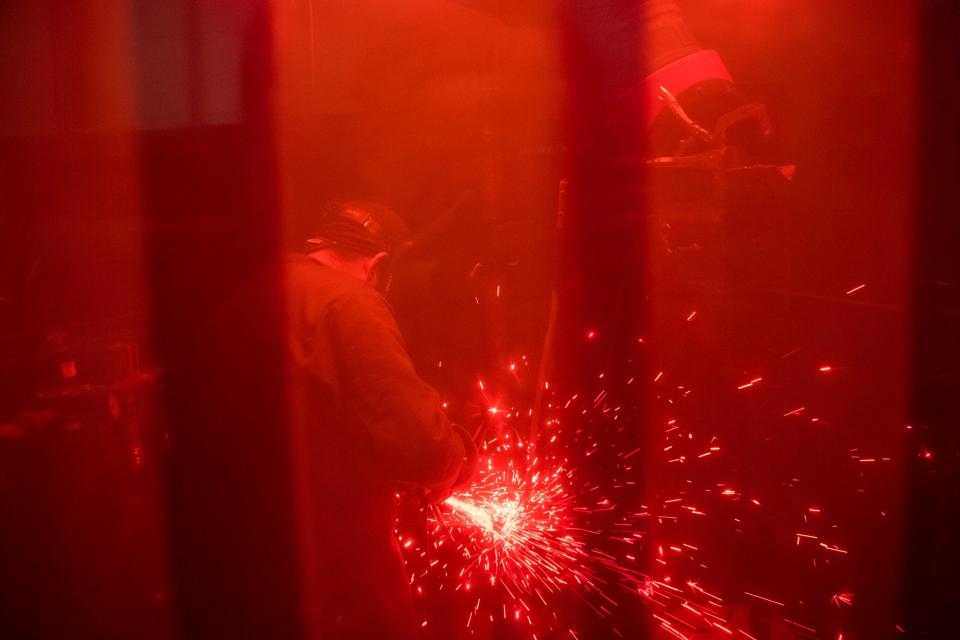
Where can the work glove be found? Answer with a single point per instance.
(470, 461)
(438, 494)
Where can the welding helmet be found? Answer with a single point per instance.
(366, 228)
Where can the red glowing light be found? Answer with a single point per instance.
(522, 534)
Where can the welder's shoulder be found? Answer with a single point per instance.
(362, 304)
(321, 290)
(308, 279)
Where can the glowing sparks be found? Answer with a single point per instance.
(517, 539)
(515, 524)
(561, 515)
(479, 516)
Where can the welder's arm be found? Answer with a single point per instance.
(401, 415)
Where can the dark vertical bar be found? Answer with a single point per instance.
(931, 558)
(211, 209)
(602, 277)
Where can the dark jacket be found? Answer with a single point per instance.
(365, 425)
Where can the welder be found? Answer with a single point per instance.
(369, 425)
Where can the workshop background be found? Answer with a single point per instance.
(799, 313)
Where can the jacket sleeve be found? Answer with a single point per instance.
(399, 414)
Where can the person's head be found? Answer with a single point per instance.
(357, 238)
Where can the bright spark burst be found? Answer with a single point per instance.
(516, 541)
(515, 524)
(551, 522)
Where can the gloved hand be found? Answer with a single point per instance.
(471, 460)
